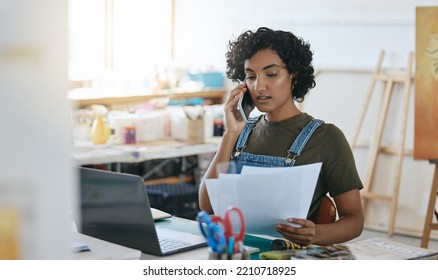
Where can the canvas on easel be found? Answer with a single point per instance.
(426, 103)
(426, 84)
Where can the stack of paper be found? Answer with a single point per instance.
(384, 249)
(267, 196)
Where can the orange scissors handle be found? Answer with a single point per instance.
(241, 234)
(228, 225)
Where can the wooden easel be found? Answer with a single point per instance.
(428, 224)
(389, 79)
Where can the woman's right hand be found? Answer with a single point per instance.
(234, 122)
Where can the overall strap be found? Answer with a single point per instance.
(243, 138)
(299, 143)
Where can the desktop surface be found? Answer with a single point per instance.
(103, 250)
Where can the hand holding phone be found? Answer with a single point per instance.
(245, 106)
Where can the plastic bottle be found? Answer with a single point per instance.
(99, 130)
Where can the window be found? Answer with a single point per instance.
(86, 27)
(126, 39)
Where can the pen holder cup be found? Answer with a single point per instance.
(195, 131)
(245, 255)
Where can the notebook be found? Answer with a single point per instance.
(157, 214)
(115, 208)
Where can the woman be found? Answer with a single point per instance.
(275, 68)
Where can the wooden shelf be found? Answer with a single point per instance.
(87, 97)
(85, 153)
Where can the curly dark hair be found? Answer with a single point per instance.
(294, 52)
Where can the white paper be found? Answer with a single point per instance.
(267, 196)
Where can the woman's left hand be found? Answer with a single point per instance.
(303, 234)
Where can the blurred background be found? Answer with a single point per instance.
(56, 55)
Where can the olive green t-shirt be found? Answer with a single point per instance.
(327, 145)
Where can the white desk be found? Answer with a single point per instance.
(196, 254)
(87, 153)
(103, 250)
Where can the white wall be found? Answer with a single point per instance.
(342, 33)
(345, 36)
(36, 179)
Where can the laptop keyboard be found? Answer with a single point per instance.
(167, 244)
(171, 189)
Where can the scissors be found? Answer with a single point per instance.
(227, 226)
(214, 235)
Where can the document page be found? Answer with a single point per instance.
(267, 196)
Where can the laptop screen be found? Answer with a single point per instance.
(115, 208)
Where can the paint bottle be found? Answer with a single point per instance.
(99, 133)
(218, 127)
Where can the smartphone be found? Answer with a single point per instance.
(245, 105)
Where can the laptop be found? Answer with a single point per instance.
(115, 208)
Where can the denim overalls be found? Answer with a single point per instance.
(241, 158)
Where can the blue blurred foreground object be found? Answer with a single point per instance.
(214, 235)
